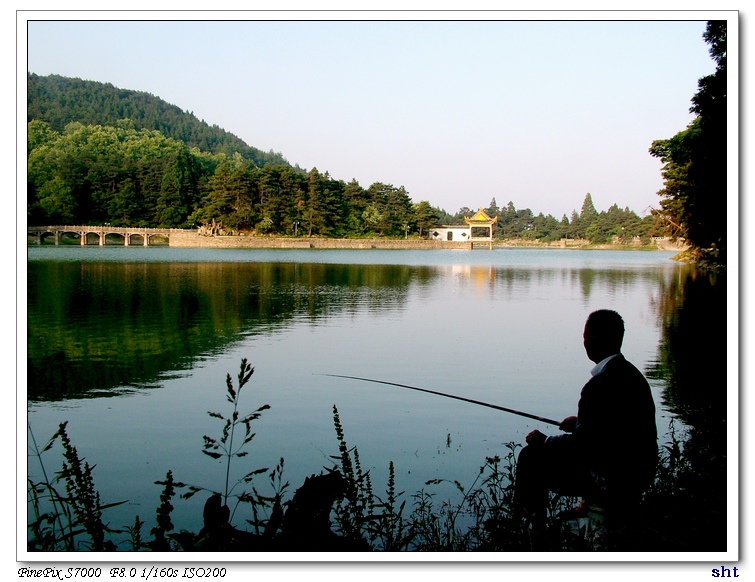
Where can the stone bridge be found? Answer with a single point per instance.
(128, 235)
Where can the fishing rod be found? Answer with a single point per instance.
(496, 407)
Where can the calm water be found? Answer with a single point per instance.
(131, 346)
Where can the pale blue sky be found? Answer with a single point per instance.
(534, 112)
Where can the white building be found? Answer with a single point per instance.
(479, 220)
(447, 232)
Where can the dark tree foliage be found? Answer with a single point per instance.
(693, 200)
(95, 174)
(425, 217)
(614, 226)
(588, 216)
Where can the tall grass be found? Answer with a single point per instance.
(225, 447)
(70, 520)
(66, 510)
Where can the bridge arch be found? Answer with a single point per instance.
(137, 239)
(101, 235)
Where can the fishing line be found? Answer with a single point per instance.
(478, 402)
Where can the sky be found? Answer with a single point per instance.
(534, 112)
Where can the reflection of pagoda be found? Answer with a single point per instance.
(471, 232)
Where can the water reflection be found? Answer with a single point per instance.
(94, 327)
(98, 327)
(693, 347)
(692, 363)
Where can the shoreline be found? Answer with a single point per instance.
(190, 239)
(179, 238)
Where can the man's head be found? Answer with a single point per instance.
(603, 335)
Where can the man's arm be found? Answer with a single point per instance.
(569, 424)
(536, 438)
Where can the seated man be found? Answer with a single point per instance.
(610, 451)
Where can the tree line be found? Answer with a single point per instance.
(94, 174)
(694, 196)
(615, 225)
(130, 159)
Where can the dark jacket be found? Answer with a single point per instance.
(616, 435)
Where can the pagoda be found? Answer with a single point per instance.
(480, 219)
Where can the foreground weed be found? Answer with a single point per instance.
(388, 530)
(259, 501)
(495, 525)
(362, 514)
(78, 511)
(164, 523)
(228, 447)
(354, 511)
(135, 534)
(51, 529)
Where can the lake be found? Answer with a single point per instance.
(131, 346)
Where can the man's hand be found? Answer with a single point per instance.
(535, 438)
(568, 424)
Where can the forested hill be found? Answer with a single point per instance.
(98, 154)
(60, 100)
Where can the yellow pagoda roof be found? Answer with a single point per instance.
(480, 218)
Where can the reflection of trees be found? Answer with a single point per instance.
(610, 279)
(692, 364)
(96, 326)
(692, 352)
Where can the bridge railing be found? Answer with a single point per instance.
(101, 232)
(101, 228)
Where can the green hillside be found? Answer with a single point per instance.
(60, 100)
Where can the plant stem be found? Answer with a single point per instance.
(58, 512)
(230, 451)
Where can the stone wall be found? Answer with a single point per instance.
(191, 239)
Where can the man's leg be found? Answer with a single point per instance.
(541, 469)
(531, 493)
(531, 487)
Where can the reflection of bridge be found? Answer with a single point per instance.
(129, 235)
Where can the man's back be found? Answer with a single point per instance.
(616, 428)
